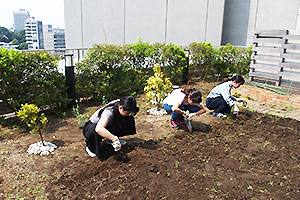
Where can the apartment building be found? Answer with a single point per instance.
(34, 33)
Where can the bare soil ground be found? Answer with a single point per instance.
(254, 156)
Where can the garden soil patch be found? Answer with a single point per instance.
(252, 156)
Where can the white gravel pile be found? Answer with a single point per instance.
(39, 148)
(157, 111)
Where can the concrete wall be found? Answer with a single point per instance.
(276, 14)
(125, 21)
(145, 20)
(181, 22)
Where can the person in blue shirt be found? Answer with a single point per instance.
(220, 100)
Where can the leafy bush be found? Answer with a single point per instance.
(225, 61)
(113, 71)
(173, 60)
(32, 77)
(141, 56)
(107, 72)
(203, 59)
(231, 60)
(93, 74)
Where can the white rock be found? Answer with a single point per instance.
(156, 111)
(39, 148)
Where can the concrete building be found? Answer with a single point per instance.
(48, 36)
(59, 38)
(178, 21)
(54, 38)
(20, 16)
(34, 33)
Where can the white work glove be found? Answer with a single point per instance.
(116, 144)
(191, 115)
(235, 109)
(187, 115)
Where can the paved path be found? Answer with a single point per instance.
(265, 101)
(286, 113)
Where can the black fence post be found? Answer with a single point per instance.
(185, 75)
(69, 73)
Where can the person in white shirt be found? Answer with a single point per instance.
(181, 100)
(110, 122)
(220, 100)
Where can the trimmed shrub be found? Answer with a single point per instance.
(232, 60)
(32, 77)
(202, 59)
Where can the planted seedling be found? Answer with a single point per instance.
(29, 114)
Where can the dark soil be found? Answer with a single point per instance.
(254, 156)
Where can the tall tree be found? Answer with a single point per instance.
(5, 35)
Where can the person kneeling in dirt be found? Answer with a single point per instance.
(110, 122)
(220, 100)
(181, 100)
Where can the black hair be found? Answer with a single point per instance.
(237, 78)
(195, 95)
(128, 103)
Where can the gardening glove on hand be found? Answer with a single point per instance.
(191, 115)
(186, 115)
(235, 109)
(116, 144)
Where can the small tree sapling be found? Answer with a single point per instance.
(157, 86)
(29, 113)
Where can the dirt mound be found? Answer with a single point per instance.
(240, 158)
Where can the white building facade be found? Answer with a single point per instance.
(34, 33)
(48, 36)
(175, 21)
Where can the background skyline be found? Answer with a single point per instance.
(47, 11)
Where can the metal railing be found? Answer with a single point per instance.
(78, 54)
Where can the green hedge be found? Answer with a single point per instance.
(223, 61)
(29, 77)
(110, 71)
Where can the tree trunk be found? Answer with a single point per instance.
(42, 138)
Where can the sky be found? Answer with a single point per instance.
(48, 11)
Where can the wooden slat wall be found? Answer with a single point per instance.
(270, 51)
